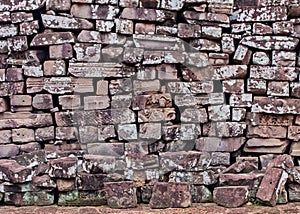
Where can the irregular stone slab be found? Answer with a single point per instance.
(31, 159)
(224, 129)
(143, 14)
(106, 149)
(98, 163)
(91, 182)
(156, 115)
(82, 198)
(158, 42)
(250, 179)
(88, 52)
(273, 73)
(284, 58)
(11, 88)
(271, 185)
(65, 167)
(168, 195)
(213, 144)
(25, 119)
(261, 145)
(100, 70)
(91, 11)
(261, 14)
(26, 5)
(294, 133)
(29, 198)
(229, 72)
(242, 166)
(54, 68)
(267, 131)
(42, 101)
(201, 194)
(207, 177)
(52, 38)
(151, 101)
(192, 100)
(184, 161)
(208, 17)
(9, 150)
(206, 45)
(270, 42)
(62, 85)
(219, 112)
(103, 38)
(275, 106)
(11, 171)
(280, 89)
(231, 196)
(121, 194)
(270, 120)
(62, 22)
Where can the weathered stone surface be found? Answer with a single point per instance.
(52, 38)
(207, 177)
(11, 171)
(230, 71)
(212, 144)
(189, 31)
(90, 11)
(205, 45)
(60, 22)
(96, 102)
(270, 42)
(275, 106)
(124, 26)
(22, 135)
(9, 150)
(66, 133)
(42, 101)
(99, 70)
(273, 73)
(283, 27)
(191, 87)
(270, 145)
(8, 89)
(143, 14)
(54, 67)
(242, 55)
(197, 115)
(24, 119)
(270, 120)
(98, 163)
(43, 134)
(121, 194)
(206, 17)
(23, 5)
(158, 42)
(17, 43)
(65, 167)
(82, 198)
(261, 58)
(184, 161)
(91, 182)
(201, 194)
(266, 131)
(249, 179)
(271, 185)
(278, 88)
(29, 198)
(219, 112)
(231, 196)
(106, 149)
(163, 192)
(29, 28)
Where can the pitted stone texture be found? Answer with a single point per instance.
(17, 5)
(121, 194)
(168, 195)
(231, 196)
(270, 42)
(63, 167)
(11, 171)
(60, 22)
(91, 11)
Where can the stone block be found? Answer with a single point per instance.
(127, 132)
(267, 131)
(70, 102)
(92, 11)
(201, 194)
(13, 172)
(257, 86)
(240, 100)
(106, 149)
(242, 55)
(86, 52)
(262, 145)
(144, 28)
(281, 89)
(29, 28)
(9, 150)
(64, 51)
(207, 177)
(29, 198)
(261, 58)
(91, 182)
(42, 101)
(283, 28)
(22, 135)
(52, 38)
(231, 196)
(98, 164)
(171, 195)
(82, 198)
(58, 5)
(65, 167)
(213, 144)
(124, 26)
(219, 112)
(121, 194)
(54, 68)
(45, 133)
(156, 115)
(64, 185)
(104, 25)
(284, 58)
(189, 31)
(96, 102)
(17, 43)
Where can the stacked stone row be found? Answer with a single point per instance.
(166, 102)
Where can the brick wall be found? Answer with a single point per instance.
(167, 102)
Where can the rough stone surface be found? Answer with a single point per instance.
(233, 196)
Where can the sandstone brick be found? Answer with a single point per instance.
(11, 171)
(284, 58)
(128, 3)
(22, 135)
(52, 38)
(65, 185)
(3, 105)
(66, 133)
(88, 134)
(90, 182)
(191, 87)
(240, 100)
(91, 11)
(273, 73)
(197, 115)
(266, 131)
(64, 51)
(261, 58)
(270, 145)
(8, 30)
(294, 133)
(293, 191)
(283, 28)
(29, 28)
(219, 112)
(241, 27)
(133, 55)
(20, 100)
(270, 42)
(278, 88)
(69, 101)
(271, 185)
(213, 144)
(58, 5)
(46, 133)
(96, 102)
(218, 58)
(82, 198)
(166, 71)
(29, 198)
(259, 105)
(54, 68)
(228, 44)
(201, 194)
(163, 192)
(65, 167)
(270, 120)
(147, 14)
(87, 52)
(231, 196)
(14, 74)
(220, 158)
(242, 55)
(127, 132)
(156, 115)
(189, 31)
(233, 86)
(17, 43)
(121, 194)
(295, 149)
(9, 150)
(219, 18)
(257, 86)
(98, 163)
(144, 28)
(206, 45)
(261, 29)
(42, 101)
(104, 25)
(32, 71)
(199, 178)
(124, 26)
(106, 149)
(230, 71)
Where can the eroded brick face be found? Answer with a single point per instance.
(167, 102)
